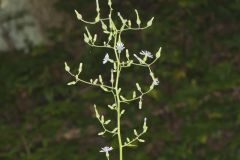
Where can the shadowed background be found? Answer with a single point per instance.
(194, 113)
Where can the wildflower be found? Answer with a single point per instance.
(146, 53)
(106, 59)
(120, 47)
(155, 82)
(106, 149)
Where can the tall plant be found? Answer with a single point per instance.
(119, 62)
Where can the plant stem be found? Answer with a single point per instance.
(118, 99)
(119, 129)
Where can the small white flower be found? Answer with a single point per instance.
(120, 47)
(156, 81)
(106, 59)
(106, 149)
(146, 53)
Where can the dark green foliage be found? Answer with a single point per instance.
(194, 114)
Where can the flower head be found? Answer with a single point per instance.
(156, 81)
(106, 149)
(146, 53)
(106, 59)
(120, 47)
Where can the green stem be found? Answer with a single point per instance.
(118, 99)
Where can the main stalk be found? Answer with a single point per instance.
(118, 100)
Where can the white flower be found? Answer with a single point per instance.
(156, 82)
(120, 47)
(106, 149)
(146, 53)
(106, 59)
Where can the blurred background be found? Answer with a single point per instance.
(194, 114)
